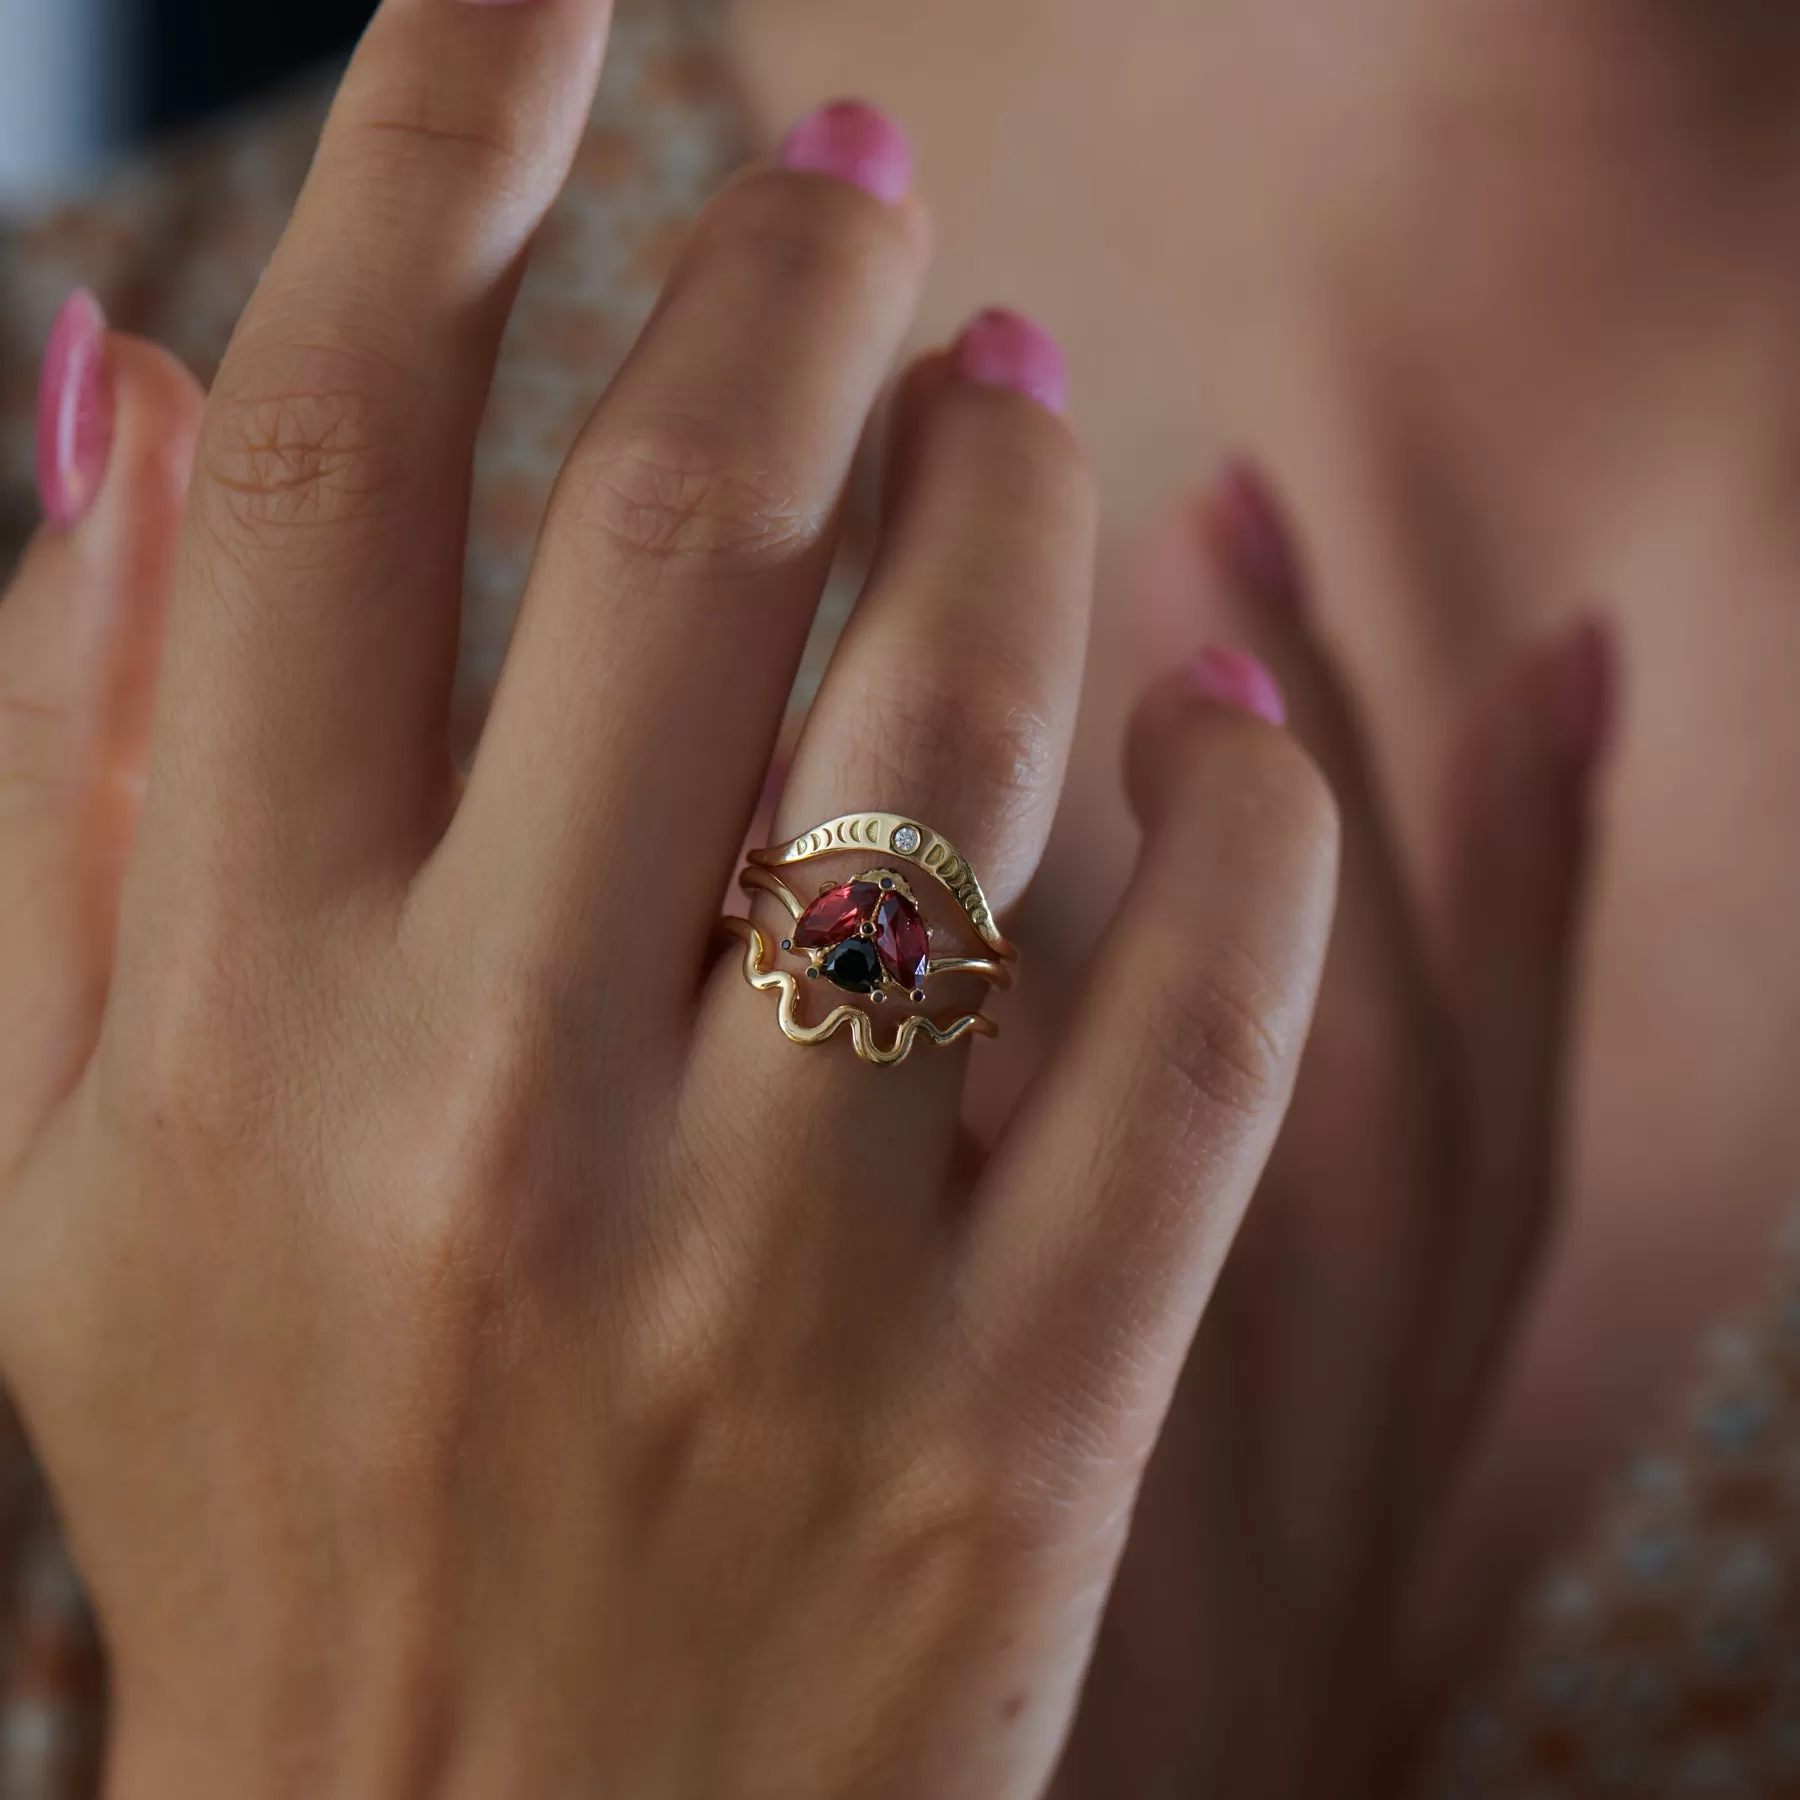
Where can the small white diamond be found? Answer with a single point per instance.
(905, 839)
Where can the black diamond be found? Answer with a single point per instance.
(853, 966)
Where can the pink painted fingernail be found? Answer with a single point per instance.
(1006, 349)
(855, 143)
(1235, 679)
(75, 412)
(1586, 693)
(1252, 537)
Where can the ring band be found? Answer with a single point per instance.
(868, 936)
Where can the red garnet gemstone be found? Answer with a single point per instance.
(900, 940)
(838, 913)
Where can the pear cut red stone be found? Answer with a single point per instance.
(838, 913)
(900, 940)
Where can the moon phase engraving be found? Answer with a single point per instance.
(933, 853)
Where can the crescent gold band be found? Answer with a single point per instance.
(868, 937)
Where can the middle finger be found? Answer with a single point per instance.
(683, 557)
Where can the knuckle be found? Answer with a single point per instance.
(1250, 788)
(404, 131)
(491, 1099)
(950, 1506)
(1010, 1478)
(812, 237)
(1024, 461)
(681, 492)
(403, 117)
(478, 1144)
(998, 737)
(186, 1073)
(1215, 1041)
(302, 454)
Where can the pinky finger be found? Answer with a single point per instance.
(1113, 1198)
(1522, 842)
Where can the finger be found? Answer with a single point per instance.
(951, 699)
(1111, 1202)
(953, 692)
(1360, 1192)
(80, 636)
(1365, 1213)
(682, 560)
(1523, 844)
(1376, 1041)
(314, 633)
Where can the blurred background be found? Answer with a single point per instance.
(82, 79)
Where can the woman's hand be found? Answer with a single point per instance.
(1289, 1520)
(474, 1351)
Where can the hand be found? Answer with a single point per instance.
(1289, 1517)
(473, 1350)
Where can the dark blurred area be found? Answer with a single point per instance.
(202, 55)
(84, 81)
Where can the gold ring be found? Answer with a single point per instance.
(868, 936)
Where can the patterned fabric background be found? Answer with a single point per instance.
(1664, 1662)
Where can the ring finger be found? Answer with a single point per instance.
(951, 700)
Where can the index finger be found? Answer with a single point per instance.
(314, 629)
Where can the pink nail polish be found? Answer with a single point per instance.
(1234, 679)
(1586, 693)
(1006, 349)
(855, 143)
(75, 412)
(1252, 536)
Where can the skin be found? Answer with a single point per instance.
(1503, 296)
(1261, 1606)
(394, 1178)
(1338, 1297)
(1323, 1423)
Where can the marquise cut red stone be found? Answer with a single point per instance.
(900, 940)
(838, 913)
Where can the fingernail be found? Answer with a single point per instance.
(1586, 693)
(1235, 679)
(75, 412)
(1252, 537)
(1007, 350)
(855, 143)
